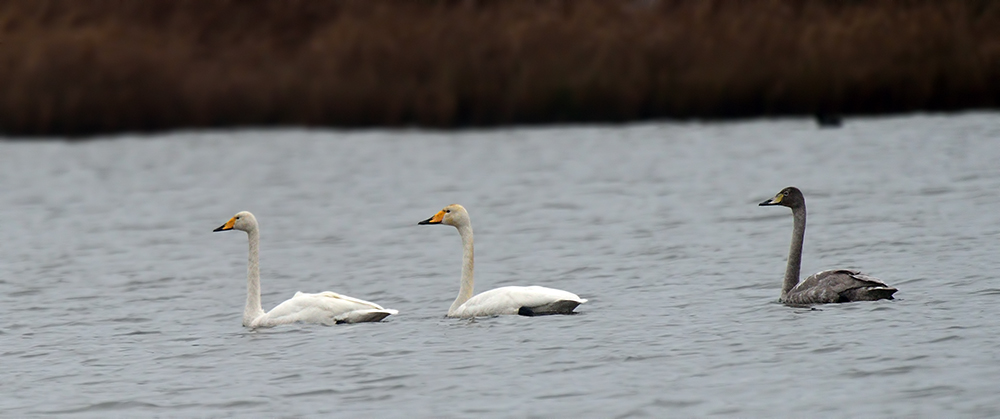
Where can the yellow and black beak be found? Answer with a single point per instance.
(436, 219)
(773, 201)
(227, 226)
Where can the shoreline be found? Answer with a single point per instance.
(93, 67)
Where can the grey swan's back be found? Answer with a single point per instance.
(832, 286)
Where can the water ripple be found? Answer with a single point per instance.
(132, 294)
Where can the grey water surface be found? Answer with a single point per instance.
(116, 299)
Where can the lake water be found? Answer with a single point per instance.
(116, 299)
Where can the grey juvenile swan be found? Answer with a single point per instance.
(831, 286)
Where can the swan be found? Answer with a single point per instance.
(323, 308)
(830, 286)
(525, 301)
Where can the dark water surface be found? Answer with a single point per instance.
(116, 299)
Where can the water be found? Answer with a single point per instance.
(116, 299)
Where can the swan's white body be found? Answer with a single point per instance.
(533, 300)
(528, 301)
(322, 308)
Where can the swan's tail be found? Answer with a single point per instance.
(558, 307)
(869, 294)
(362, 316)
(880, 293)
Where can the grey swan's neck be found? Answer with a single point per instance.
(253, 309)
(468, 266)
(795, 252)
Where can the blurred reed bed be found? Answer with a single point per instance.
(77, 67)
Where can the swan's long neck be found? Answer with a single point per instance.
(253, 308)
(468, 266)
(795, 252)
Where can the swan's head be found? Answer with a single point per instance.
(790, 197)
(243, 221)
(453, 215)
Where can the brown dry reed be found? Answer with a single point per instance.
(78, 67)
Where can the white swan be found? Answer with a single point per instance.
(323, 308)
(526, 301)
(831, 286)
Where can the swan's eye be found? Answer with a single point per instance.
(447, 211)
(237, 217)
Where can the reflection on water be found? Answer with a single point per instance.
(116, 298)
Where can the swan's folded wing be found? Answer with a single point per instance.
(840, 280)
(344, 298)
(509, 300)
(871, 280)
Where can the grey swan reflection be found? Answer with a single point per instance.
(830, 286)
